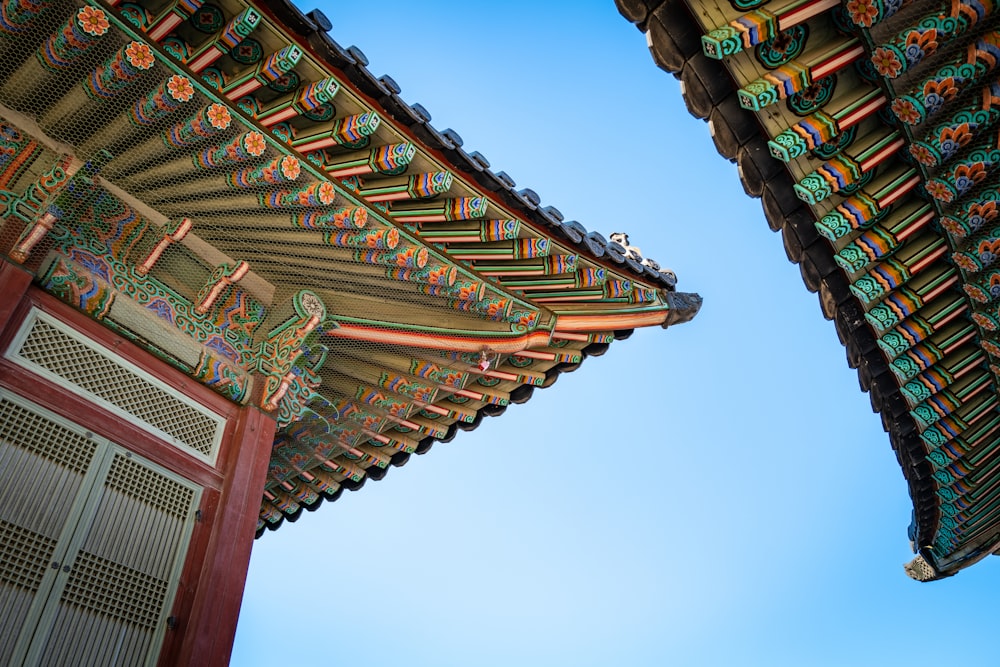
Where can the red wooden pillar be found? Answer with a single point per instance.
(210, 630)
(14, 284)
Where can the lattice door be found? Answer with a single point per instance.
(43, 467)
(117, 558)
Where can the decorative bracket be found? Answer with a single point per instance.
(223, 276)
(284, 346)
(174, 232)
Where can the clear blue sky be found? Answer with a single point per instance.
(719, 493)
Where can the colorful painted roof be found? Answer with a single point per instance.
(869, 130)
(225, 185)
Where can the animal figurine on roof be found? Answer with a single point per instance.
(634, 253)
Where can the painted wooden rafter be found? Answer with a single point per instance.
(825, 126)
(884, 239)
(949, 20)
(862, 209)
(368, 156)
(447, 379)
(966, 68)
(413, 186)
(918, 327)
(79, 33)
(239, 28)
(356, 377)
(352, 132)
(175, 13)
(846, 169)
(476, 231)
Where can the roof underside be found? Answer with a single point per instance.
(225, 185)
(868, 128)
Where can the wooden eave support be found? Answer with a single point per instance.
(974, 214)
(942, 143)
(795, 76)
(596, 295)
(174, 232)
(267, 71)
(239, 28)
(958, 180)
(48, 199)
(920, 326)
(885, 239)
(862, 209)
(549, 265)
(71, 40)
(589, 338)
(759, 26)
(208, 161)
(456, 208)
(557, 282)
(306, 100)
(969, 359)
(891, 275)
(414, 186)
(394, 440)
(378, 332)
(947, 401)
(523, 248)
(403, 406)
(906, 365)
(351, 131)
(610, 321)
(385, 159)
(973, 412)
(178, 138)
(474, 231)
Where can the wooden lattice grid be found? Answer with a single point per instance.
(47, 346)
(60, 445)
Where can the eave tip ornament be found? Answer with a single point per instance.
(921, 569)
(683, 307)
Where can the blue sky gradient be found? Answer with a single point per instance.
(719, 493)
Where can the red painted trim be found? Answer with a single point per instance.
(106, 424)
(804, 12)
(208, 632)
(440, 340)
(187, 586)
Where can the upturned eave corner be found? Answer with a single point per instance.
(290, 233)
(843, 119)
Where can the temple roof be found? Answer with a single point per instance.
(868, 130)
(226, 186)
